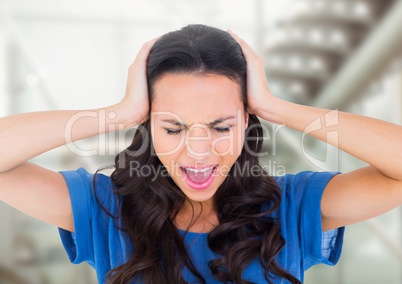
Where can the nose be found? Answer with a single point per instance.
(198, 141)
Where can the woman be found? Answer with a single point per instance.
(179, 206)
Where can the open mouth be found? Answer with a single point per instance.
(199, 178)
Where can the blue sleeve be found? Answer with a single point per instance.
(78, 245)
(301, 223)
(318, 246)
(91, 223)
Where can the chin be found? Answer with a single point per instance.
(202, 196)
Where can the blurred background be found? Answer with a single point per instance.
(335, 54)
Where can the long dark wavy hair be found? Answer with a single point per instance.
(150, 203)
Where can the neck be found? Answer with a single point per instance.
(197, 217)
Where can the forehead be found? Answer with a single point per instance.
(197, 96)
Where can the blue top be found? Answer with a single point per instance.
(97, 241)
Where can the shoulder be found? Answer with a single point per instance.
(89, 188)
(81, 177)
(302, 179)
(305, 187)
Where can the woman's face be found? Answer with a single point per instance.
(198, 126)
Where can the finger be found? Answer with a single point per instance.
(236, 37)
(249, 110)
(246, 48)
(145, 50)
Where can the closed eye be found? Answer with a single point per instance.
(173, 132)
(222, 129)
(178, 131)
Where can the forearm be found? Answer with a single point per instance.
(27, 135)
(376, 142)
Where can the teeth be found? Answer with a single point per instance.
(199, 171)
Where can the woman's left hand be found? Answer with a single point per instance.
(258, 93)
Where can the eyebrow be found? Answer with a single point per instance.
(213, 123)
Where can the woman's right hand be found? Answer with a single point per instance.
(135, 105)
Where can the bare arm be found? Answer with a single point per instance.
(360, 194)
(36, 191)
(42, 193)
(27, 135)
